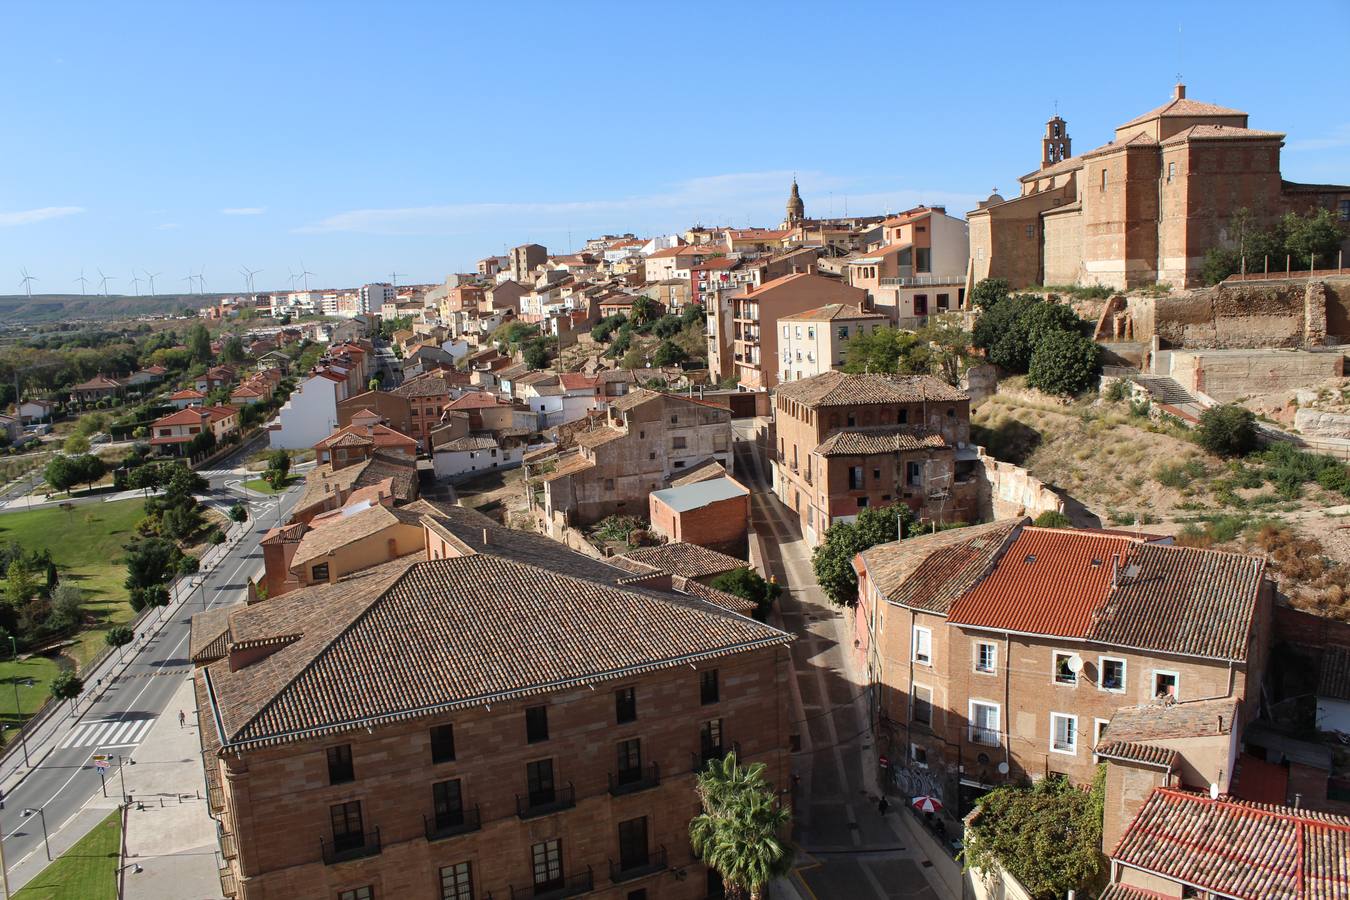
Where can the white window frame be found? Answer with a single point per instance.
(1124, 674)
(931, 704)
(975, 658)
(1054, 668)
(1153, 683)
(1054, 716)
(1098, 726)
(914, 758)
(998, 721)
(914, 645)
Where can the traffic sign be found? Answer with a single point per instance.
(101, 765)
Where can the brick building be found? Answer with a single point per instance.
(427, 395)
(1002, 652)
(757, 311)
(713, 513)
(1144, 208)
(846, 442)
(466, 725)
(394, 410)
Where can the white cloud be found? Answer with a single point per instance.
(169, 226)
(731, 199)
(29, 216)
(1339, 137)
(244, 211)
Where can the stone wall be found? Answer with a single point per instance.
(1256, 314)
(1009, 490)
(1228, 375)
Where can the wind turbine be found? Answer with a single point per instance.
(82, 280)
(393, 276)
(248, 276)
(293, 278)
(305, 273)
(103, 284)
(135, 283)
(27, 282)
(201, 280)
(191, 280)
(152, 276)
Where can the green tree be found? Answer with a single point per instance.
(199, 344)
(239, 513)
(1227, 430)
(950, 346)
(232, 350)
(76, 444)
(832, 561)
(279, 461)
(1315, 237)
(1052, 518)
(181, 522)
(887, 350)
(202, 442)
(669, 354)
(66, 686)
(739, 832)
(1047, 835)
(20, 585)
(989, 291)
(644, 311)
(89, 468)
(1064, 363)
(748, 584)
(667, 326)
(535, 354)
(118, 637)
(150, 561)
(61, 473)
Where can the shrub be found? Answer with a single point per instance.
(1052, 518)
(750, 585)
(1118, 390)
(1228, 430)
(989, 291)
(1063, 363)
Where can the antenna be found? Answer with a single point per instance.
(152, 276)
(103, 281)
(393, 277)
(27, 282)
(135, 283)
(82, 280)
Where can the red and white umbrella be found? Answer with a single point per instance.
(926, 804)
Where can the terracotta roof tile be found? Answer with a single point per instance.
(425, 386)
(843, 389)
(686, 560)
(930, 571)
(1166, 721)
(1130, 892)
(1147, 754)
(866, 440)
(831, 311)
(1184, 108)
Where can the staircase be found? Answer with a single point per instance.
(1167, 392)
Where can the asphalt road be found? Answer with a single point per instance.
(115, 723)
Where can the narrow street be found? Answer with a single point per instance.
(846, 848)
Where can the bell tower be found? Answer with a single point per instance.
(1055, 145)
(796, 209)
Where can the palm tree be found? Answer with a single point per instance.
(737, 834)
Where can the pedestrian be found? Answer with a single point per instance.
(182, 717)
(882, 805)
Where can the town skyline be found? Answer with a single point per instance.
(381, 182)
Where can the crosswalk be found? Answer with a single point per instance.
(108, 733)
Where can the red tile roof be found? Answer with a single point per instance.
(1049, 582)
(187, 394)
(1239, 849)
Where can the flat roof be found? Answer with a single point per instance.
(700, 493)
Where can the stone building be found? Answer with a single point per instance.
(1143, 208)
(644, 439)
(846, 442)
(461, 723)
(1003, 652)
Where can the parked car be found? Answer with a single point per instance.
(101, 438)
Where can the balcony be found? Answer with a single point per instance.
(630, 781)
(700, 760)
(581, 883)
(543, 803)
(229, 847)
(985, 737)
(229, 885)
(923, 281)
(441, 827)
(654, 863)
(350, 847)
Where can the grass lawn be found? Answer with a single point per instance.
(87, 871)
(262, 487)
(40, 670)
(86, 542)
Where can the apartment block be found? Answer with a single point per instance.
(756, 313)
(919, 269)
(816, 341)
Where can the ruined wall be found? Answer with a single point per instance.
(1254, 314)
(1228, 375)
(1008, 490)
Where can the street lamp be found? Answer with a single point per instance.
(42, 815)
(18, 711)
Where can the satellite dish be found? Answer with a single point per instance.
(1003, 768)
(1213, 791)
(1075, 664)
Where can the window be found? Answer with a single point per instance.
(708, 687)
(855, 478)
(346, 821)
(442, 743)
(633, 843)
(1112, 674)
(810, 332)
(609, 484)
(913, 474)
(1345, 210)
(361, 893)
(546, 858)
(340, 764)
(1103, 183)
(785, 331)
(1171, 171)
(710, 738)
(843, 332)
(921, 705)
(862, 502)
(536, 724)
(457, 882)
(944, 302)
(984, 723)
(1031, 231)
(319, 572)
(677, 443)
(639, 894)
(919, 755)
(447, 803)
(1098, 732)
(923, 645)
(625, 705)
(920, 304)
(539, 781)
(630, 761)
(1063, 733)
(797, 331)
(902, 417)
(1063, 668)
(1166, 684)
(923, 259)
(986, 657)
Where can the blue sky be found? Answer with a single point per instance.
(368, 138)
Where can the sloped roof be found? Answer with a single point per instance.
(424, 386)
(831, 311)
(686, 560)
(844, 389)
(348, 526)
(1146, 754)
(868, 439)
(1222, 133)
(1239, 849)
(1334, 673)
(1164, 721)
(469, 442)
(929, 571)
(706, 470)
(700, 494)
(1183, 108)
(440, 634)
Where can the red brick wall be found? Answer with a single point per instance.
(721, 526)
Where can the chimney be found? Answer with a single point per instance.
(486, 537)
(1180, 92)
(1115, 570)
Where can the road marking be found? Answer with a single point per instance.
(119, 732)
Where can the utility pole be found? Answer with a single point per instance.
(23, 738)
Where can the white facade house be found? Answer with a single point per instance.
(309, 415)
(31, 411)
(474, 453)
(661, 242)
(815, 341)
(374, 296)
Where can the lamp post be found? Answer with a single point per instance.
(45, 841)
(23, 739)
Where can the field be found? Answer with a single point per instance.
(262, 487)
(87, 871)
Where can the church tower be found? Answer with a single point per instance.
(796, 209)
(1055, 144)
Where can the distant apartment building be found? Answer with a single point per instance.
(524, 259)
(919, 269)
(1003, 652)
(392, 409)
(427, 395)
(714, 287)
(756, 313)
(847, 442)
(815, 341)
(468, 721)
(489, 266)
(371, 298)
(645, 439)
(310, 413)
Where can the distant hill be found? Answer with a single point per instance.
(45, 308)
